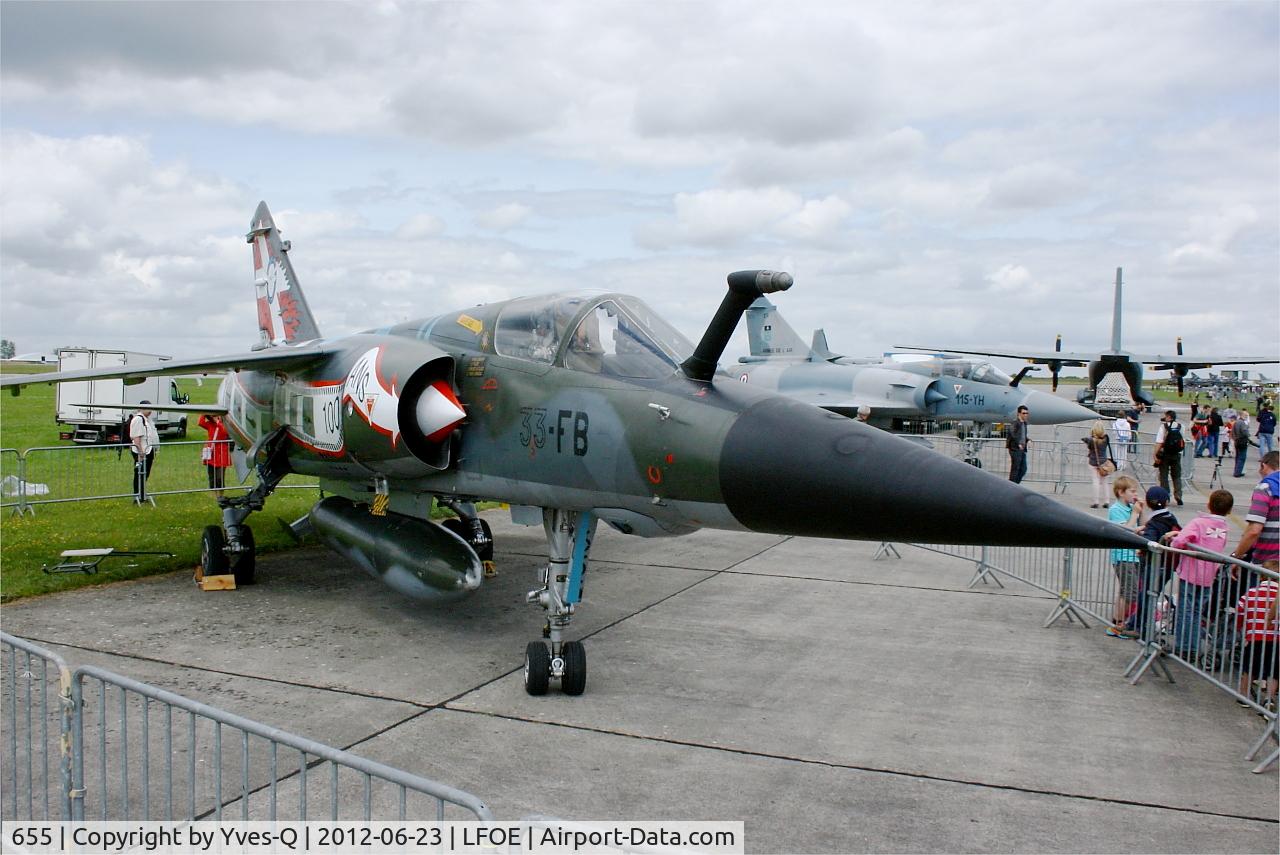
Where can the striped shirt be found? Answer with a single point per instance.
(1265, 508)
(1251, 613)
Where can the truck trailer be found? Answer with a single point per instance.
(90, 409)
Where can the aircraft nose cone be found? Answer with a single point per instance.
(1047, 409)
(823, 475)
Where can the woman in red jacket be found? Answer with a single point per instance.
(216, 453)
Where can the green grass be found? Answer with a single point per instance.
(174, 525)
(27, 543)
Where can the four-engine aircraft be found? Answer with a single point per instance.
(1118, 361)
(931, 388)
(572, 408)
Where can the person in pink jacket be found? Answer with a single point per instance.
(1196, 575)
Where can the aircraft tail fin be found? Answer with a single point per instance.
(769, 334)
(283, 314)
(1115, 317)
(819, 349)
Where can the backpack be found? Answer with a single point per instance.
(1173, 443)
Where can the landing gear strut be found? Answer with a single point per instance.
(473, 530)
(230, 547)
(569, 535)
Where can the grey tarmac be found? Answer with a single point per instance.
(831, 702)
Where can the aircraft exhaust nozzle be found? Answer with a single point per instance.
(834, 477)
(745, 286)
(417, 558)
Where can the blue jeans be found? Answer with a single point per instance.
(1017, 465)
(1202, 443)
(1186, 629)
(1266, 442)
(1242, 451)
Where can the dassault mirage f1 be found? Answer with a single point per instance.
(573, 408)
(936, 387)
(1113, 361)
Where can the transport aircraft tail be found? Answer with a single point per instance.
(283, 314)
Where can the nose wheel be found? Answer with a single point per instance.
(570, 668)
(569, 535)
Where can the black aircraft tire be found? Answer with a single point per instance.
(245, 565)
(213, 557)
(537, 668)
(486, 554)
(574, 681)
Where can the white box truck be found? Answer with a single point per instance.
(80, 402)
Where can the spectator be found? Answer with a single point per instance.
(1160, 527)
(1017, 440)
(1120, 427)
(1125, 511)
(143, 438)
(1133, 416)
(1260, 542)
(1256, 616)
(1168, 454)
(1101, 461)
(1215, 428)
(864, 413)
(1200, 432)
(1266, 429)
(216, 453)
(1196, 575)
(1240, 439)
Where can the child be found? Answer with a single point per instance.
(1196, 575)
(1160, 528)
(1125, 511)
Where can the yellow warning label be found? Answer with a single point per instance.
(379, 506)
(470, 323)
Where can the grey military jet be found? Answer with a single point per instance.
(933, 387)
(1117, 361)
(573, 408)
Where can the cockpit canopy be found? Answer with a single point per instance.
(974, 369)
(610, 334)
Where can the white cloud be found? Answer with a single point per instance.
(503, 217)
(994, 162)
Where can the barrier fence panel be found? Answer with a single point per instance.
(35, 775)
(83, 472)
(146, 753)
(12, 494)
(92, 745)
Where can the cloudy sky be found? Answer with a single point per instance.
(963, 174)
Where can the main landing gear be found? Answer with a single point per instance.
(230, 548)
(569, 535)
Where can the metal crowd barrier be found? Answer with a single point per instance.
(75, 473)
(1062, 461)
(35, 691)
(131, 751)
(1085, 585)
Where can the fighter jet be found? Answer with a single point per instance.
(930, 387)
(1117, 361)
(573, 408)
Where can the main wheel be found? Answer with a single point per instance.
(213, 555)
(537, 668)
(574, 680)
(245, 563)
